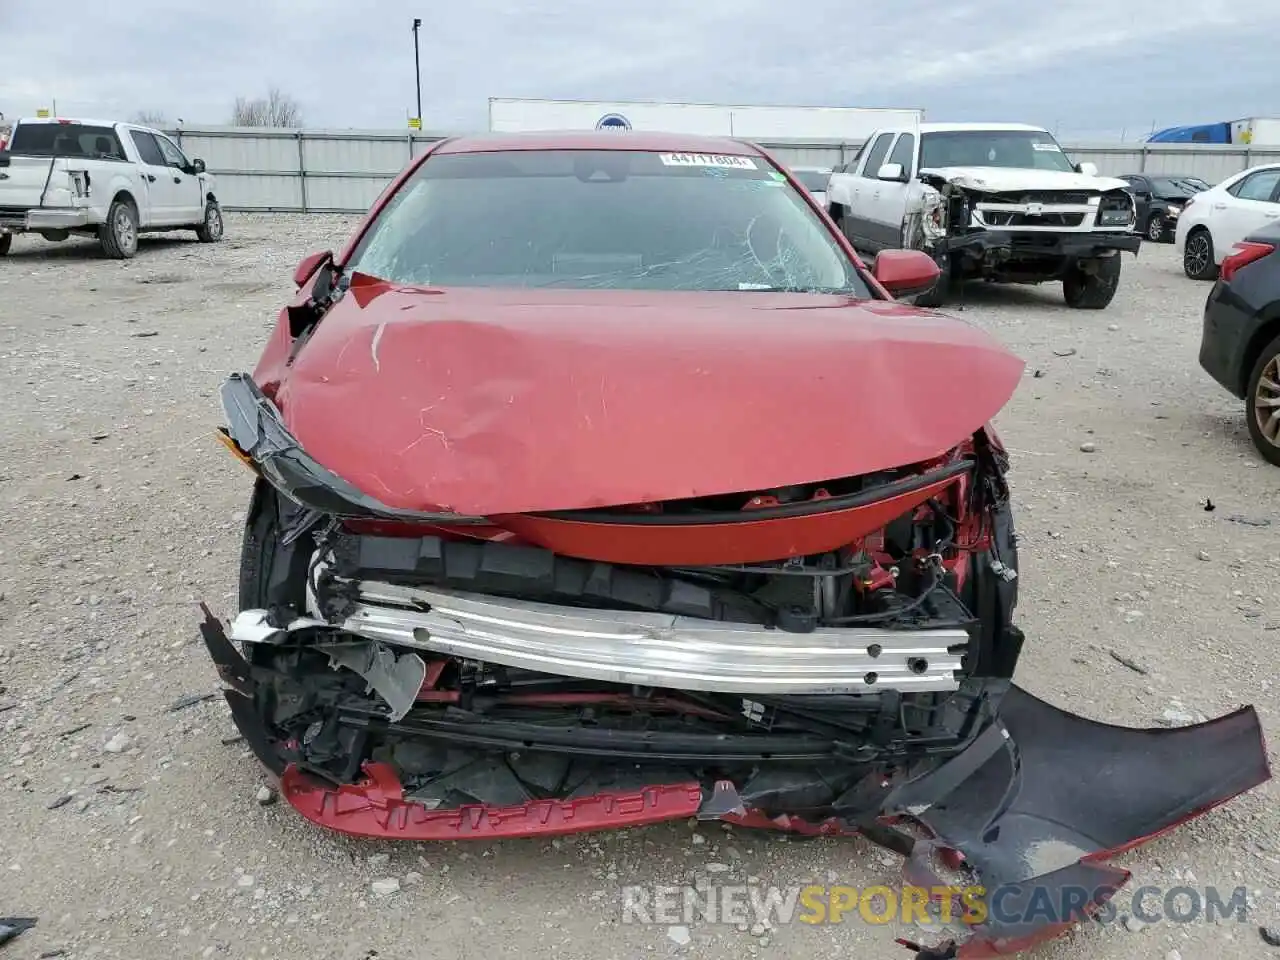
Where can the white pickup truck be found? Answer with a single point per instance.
(997, 201)
(107, 180)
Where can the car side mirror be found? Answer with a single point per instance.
(197, 166)
(892, 171)
(905, 273)
(1087, 168)
(309, 265)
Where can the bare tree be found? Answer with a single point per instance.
(150, 118)
(276, 109)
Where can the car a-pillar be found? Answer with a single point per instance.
(1091, 284)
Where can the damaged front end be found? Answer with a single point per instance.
(832, 658)
(1020, 235)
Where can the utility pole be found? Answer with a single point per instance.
(417, 68)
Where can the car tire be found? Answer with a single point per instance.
(991, 598)
(211, 228)
(273, 575)
(6, 241)
(1265, 368)
(119, 235)
(940, 293)
(1155, 228)
(1197, 255)
(264, 581)
(1092, 291)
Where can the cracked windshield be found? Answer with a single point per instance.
(611, 220)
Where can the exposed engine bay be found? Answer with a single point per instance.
(483, 670)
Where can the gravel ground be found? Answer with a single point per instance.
(119, 511)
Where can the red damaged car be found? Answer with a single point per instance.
(599, 483)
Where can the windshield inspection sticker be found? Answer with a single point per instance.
(707, 160)
(1045, 147)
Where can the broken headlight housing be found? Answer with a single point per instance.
(1117, 210)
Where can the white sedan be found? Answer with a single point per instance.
(1214, 221)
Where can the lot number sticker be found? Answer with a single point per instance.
(707, 160)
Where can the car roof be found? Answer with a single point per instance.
(647, 141)
(1162, 175)
(67, 121)
(980, 127)
(1241, 174)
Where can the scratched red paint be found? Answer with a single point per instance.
(491, 401)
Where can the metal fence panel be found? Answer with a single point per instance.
(343, 171)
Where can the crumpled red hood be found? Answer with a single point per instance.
(488, 402)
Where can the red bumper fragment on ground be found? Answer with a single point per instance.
(376, 807)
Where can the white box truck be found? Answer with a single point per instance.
(1257, 131)
(759, 123)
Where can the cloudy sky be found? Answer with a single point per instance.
(1082, 67)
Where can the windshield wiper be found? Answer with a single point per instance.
(764, 288)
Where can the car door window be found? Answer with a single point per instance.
(148, 149)
(1259, 186)
(172, 155)
(875, 157)
(904, 152)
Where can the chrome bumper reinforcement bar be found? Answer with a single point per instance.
(657, 650)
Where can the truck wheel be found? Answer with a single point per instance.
(1092, 291)
(1260, 402)
(6, 241)
(210, 231)
(119, 235)
(938, 295)
(1197, 258)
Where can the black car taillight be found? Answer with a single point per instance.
(1243, 254)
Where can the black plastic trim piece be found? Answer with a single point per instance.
(804, 508)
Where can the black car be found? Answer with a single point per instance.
(1240, 346)
(1160, 199)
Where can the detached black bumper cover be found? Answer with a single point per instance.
(1039, 243)
(1038, 821)
(1031, 809)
